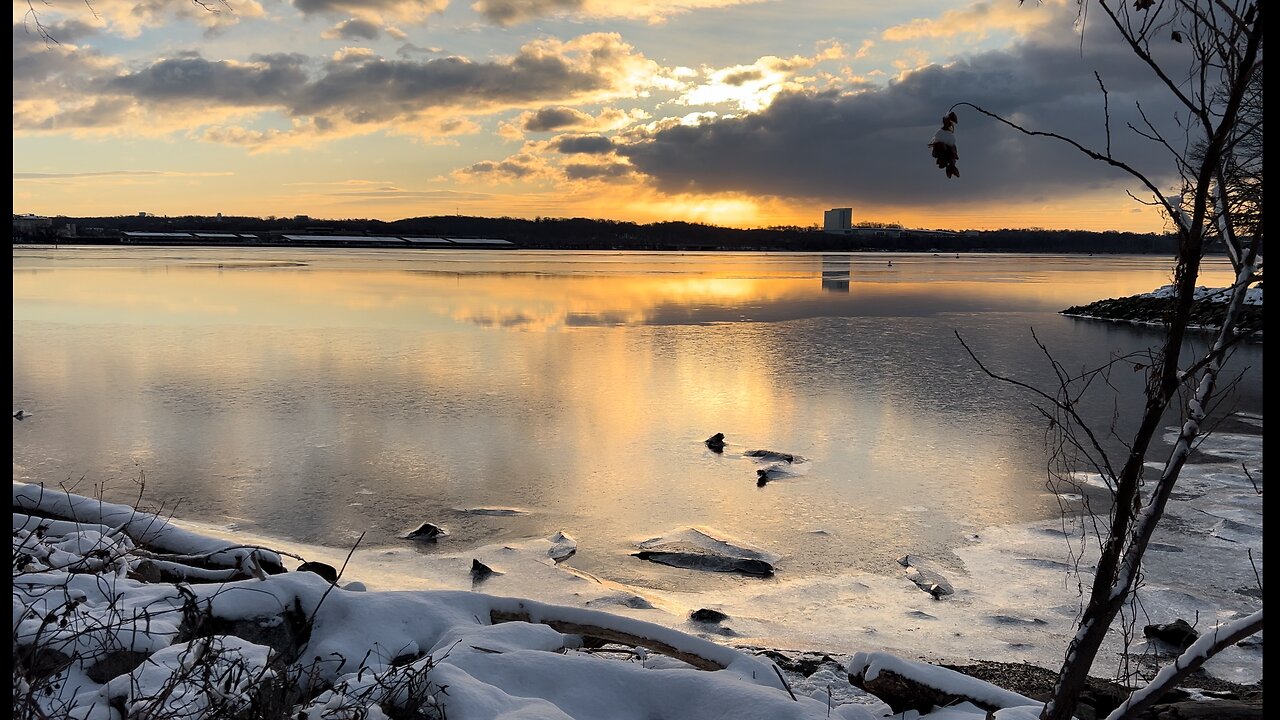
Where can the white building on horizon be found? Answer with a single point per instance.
(838, 221)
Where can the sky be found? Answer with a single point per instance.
(746, 113)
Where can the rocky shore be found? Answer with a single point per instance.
(1154, 308)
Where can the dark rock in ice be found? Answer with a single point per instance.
(716, 443)
(1011, 620)
(695, 561)
(773, 455)
(563, 546)
(806, 663)
(324, 570)
(21, 415)
(624, 599)
(480, 571)
(926, 578)
(707, 615)
(427, 531)
(1178, 633)
(698, 550)
(1253, 641)
(920, 615)
(1252, 591)
(773, 472)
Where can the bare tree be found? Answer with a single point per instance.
(1218, 91)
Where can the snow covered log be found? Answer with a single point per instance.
(907, 685)
(146, 530)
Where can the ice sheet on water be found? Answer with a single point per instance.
(1239, 447)
(1249, 418)
(1078, 480)
(1032, 570)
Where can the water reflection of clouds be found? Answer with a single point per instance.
(440, 390)
(545, 292)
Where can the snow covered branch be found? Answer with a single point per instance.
(1209, 644)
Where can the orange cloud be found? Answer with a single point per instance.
(978, 19)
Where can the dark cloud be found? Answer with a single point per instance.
(265, 80)
(44, 69)
(583, 144)
(61, 31)
(378, 89)
(408, 50)
(353, 86)
(556, 118)
(742, 76)
(361, 88)
(511, 12)
(349, 7)
(514, 167)
(583, 171)
(354, 29)
(871, 146)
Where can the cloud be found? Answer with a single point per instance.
(869, 147)
(521, 166)
(512, 12)
(586, 171)
(555, 118)
(560, 117)
(408, 50)
(67, 30)
(129, 19)
(263, 81)
(592, 67)
(978, 19)
(754, 86)
(354, 91)
(373, 11)
(582, 145)
(353, 29)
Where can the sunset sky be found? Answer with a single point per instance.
(735, 112)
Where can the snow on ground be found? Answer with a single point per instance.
(1253, 296)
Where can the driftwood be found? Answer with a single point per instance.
(610, 635)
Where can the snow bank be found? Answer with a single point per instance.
(208, 650)
(1253, 296)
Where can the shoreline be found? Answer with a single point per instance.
(250, 636)
(569, 247)
(565, 599)
(1151, 309)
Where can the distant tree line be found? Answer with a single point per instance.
(590, 234)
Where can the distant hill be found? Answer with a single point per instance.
(590, 234)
